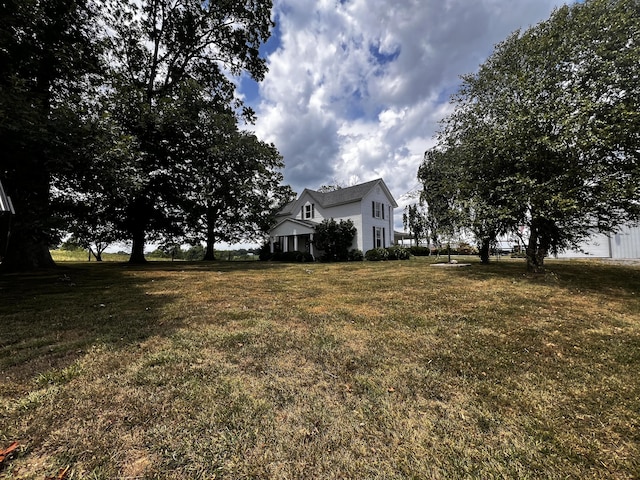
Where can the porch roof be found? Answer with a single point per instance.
(293, 226)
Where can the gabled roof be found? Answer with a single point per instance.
(340, 196)
(304, 223)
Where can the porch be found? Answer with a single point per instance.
(292, 235)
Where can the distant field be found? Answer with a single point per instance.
(82, 256)
(365, 370)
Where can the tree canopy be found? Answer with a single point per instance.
(48, 57)
(168, 59)
(546, 134)
(110, 114)
(334, 239)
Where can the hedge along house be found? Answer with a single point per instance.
(368, 205)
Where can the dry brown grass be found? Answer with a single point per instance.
(361, 370)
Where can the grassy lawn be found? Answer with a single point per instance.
(366, 370)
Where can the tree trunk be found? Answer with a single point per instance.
(485, 247)
(28, 244)
(536, 251)
(25, 253)
(137, 248)
(209, 254)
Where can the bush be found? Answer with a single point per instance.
(355, 255)
(157, 253)
(420, 251)
(264, 253)
(292, 257)
(71, 245)
(466, 249)
(397, 252)
(376, 254)
(195, 253)
(334, 239)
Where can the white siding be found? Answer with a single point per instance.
(597, 247)
(357, 210)
(368, 220)
(306, 199)
(348, 211)
(626, 243)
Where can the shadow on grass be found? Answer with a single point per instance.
(590, 276)
(53, 317)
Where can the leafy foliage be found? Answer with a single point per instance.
(110, 114)
(232, 183)
(546, 134)
(395, 252)
(415, 219)
(334, 239)
(376, 254)
(48, 55)
(169, 64)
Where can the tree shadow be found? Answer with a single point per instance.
(592, 276)
(53, 317)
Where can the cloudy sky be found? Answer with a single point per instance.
(356, 88)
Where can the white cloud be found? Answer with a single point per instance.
(356, 88)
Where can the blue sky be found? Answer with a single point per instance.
(356, 88)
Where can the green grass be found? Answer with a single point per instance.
(391, 370)
(82, 255)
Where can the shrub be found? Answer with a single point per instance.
(466, 249)
(397, 252)
(292, 257)
(195, 253)
(376, 254)
(264, 253)
(334, 239)
(420, 251)
(71, 245)
(355, 255)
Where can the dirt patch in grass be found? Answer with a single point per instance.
(359, 370)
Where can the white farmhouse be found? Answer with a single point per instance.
(368, 205)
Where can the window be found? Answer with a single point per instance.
(378, 240)
(377, 210)
(309, 211)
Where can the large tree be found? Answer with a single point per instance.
(48, 52)
(162, 52)
(232, 183)
(334, 239)
(546, 134)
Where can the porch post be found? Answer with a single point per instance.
(295, 243)
(311, 245)
(271, 244)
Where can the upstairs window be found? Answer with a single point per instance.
(377, 210)
(309, 211)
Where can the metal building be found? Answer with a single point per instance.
(624, 244)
